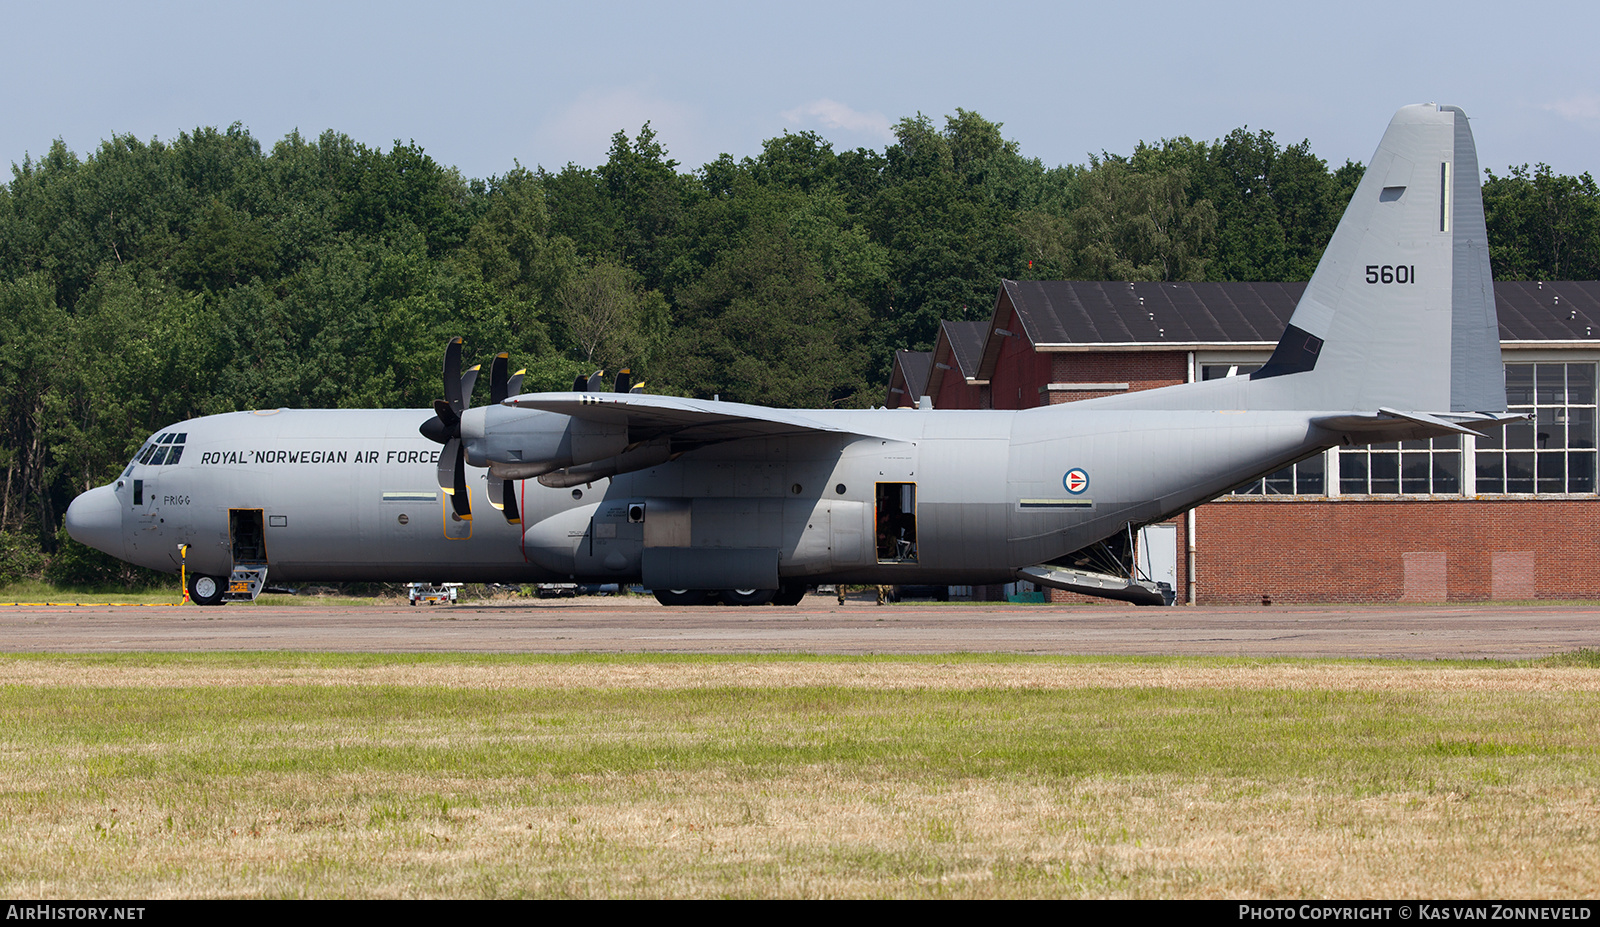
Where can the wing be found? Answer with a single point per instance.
(690, 423)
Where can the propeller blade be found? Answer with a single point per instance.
(594, 381)
(468, 381)
(513, 512)
(497, 378)
(445, 426)
(624, 380)
(459, 499)
(503, 496)
(447, 464)
(514, 385)
(637, 387)
(452, 376)
(580, 384)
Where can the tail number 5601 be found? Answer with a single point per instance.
(1391, 273)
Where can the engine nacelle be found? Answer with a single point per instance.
(524, 443)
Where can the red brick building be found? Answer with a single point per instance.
(1510, 516)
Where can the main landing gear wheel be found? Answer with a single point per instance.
(681, 596)
(790, 594)
(748, 596)
(205, 590)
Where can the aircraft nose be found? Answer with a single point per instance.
(95, 519)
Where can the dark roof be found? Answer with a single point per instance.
(1563, 311)
(959, 347)
(1100, 314)
(911, 369)
(966, 343)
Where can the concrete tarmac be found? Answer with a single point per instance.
(817, 625)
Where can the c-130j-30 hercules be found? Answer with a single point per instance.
(1394, 339)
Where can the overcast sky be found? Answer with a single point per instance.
(482, 85)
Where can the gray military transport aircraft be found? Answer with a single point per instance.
(1395, 339)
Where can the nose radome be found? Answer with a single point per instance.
(95, 519)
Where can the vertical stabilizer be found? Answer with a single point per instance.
(1400, 312)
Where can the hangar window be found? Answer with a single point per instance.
(1553, 452)
(1426, 467)
(1218, 371)
(1306, 478)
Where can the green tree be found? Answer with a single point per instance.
(763, 326)
(1138, 225)
(610, 318)
(1542, 225)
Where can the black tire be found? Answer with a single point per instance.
(747, 596)
(790, 594)
(206, 590)
(681, 596)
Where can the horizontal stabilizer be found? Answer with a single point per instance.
(1391, 425)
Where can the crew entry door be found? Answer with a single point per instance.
(247, 536)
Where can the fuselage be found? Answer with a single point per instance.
(897, 496)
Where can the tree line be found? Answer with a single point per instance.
(148, 282)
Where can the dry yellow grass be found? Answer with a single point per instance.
(795, 778)
(766, 673)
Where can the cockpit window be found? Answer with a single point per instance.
(162, 449)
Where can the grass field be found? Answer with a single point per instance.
(979, 776)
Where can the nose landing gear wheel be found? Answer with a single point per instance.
(205, 590)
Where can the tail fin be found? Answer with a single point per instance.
(1400, 311)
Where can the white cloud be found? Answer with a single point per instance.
(831, 114)
(1583, 109)
(581, 132)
